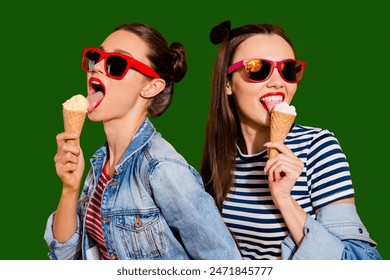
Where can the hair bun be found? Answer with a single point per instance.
(220, 32)
(179, 61)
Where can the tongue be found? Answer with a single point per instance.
(94, 100)
(270, 104)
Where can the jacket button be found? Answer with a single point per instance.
(360, 230)
(114, 257)
(85, 199)
(105, 221)
(138, 222)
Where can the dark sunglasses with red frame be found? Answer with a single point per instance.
(116, 64)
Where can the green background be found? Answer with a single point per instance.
(345, 89)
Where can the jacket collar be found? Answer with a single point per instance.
(140, 139)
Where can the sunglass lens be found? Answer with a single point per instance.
(116, 65)
(292, 71)
(91, 58)
(258, 70)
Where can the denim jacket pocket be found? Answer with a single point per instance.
(141, 235)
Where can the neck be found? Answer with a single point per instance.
(119, 133)
(254, 138)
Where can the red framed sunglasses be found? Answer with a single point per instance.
(116, 64)
(259, 69)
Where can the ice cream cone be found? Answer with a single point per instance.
(280, 126)
(73, 122)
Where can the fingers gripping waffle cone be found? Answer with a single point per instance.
(281, 122)
(74, 112)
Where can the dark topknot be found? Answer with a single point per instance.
(220, 32)
(178, 61)
(223, 32)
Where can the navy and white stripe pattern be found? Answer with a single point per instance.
(249, 211)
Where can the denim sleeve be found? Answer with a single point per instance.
(68, 250)
(360, 250)
(191, 212)
(318, 244)
(336, 233)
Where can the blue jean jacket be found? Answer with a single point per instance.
(155, 207)
(337, 233)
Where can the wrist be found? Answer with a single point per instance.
(284, 203)
(70, 190)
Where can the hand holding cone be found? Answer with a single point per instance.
(282, 118)
(74, 111)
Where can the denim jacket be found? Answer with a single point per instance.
(155, 207)
(337, 233)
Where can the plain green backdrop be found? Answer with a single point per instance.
(345, 89)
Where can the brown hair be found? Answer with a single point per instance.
(169, 61)
(223, 129)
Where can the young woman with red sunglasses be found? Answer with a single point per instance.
(141, 199)
(299, 204)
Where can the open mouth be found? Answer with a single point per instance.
(270, 100)
(96, 93)
(96, 87)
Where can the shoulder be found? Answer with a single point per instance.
(160, 149)
(309, 132)
(310, 137)
(163, 156)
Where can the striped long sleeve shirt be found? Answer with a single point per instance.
(249, 211)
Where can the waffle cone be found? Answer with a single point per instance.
(280, 127)
(73, 122)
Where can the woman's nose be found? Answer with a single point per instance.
(275, 80)
(99, 67)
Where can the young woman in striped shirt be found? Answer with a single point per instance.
(299, 204)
